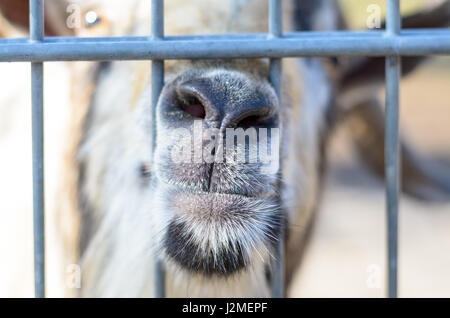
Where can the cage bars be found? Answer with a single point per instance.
(391, 43)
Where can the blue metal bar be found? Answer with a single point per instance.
(393, 26)
(275, 18)
(304, 35)
(393, 17)
(373, 43)
(157, 86)
(276, 31)
(37, 99)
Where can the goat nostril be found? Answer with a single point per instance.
(193, 107)
(250, 121)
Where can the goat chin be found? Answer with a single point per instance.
(126, 269)
(136, 281)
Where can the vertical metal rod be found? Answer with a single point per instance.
(392, 153)
(276, 30)
(157, 79)
(393, 17)
(37, 100)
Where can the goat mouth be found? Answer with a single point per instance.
(182, 248)
(181, 186)
(248, 180)
(219, 234)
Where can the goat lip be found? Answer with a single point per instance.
(197, 190)
(219, 234)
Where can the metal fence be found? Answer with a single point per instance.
(391, 43)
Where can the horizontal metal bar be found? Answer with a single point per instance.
(233, 36)
(372, 43)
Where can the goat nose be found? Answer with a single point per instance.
(226, 101)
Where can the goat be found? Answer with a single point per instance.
(214, 225)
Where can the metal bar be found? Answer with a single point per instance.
(303, 35)
(393, 26)
(276, 31)
(393, 17)
(275, 18)
(412, 43)
(157, 86)
(37, 100)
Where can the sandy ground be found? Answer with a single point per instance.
(346, 256)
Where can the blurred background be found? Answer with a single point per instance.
(347, 253)
(346, 256)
